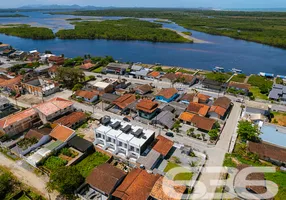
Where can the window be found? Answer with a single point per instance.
(103, 136)
(113, 140)
(132, 148)
(125, 145)
(137, 150)
(120, 143)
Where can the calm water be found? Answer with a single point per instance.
(223, 51)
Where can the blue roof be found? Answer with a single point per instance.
(274, 135)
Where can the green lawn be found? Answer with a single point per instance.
(220, 77)
(239, 78)
(24, 197)
(256, 93)
(97, 70)
(182, 176)
(54, 162)
(90, 162)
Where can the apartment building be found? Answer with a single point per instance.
(122, 138)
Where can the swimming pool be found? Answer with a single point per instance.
(273, 134)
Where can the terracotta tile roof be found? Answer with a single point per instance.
(164, 190)
(168, 92)
(62, 133)
(265, 150)
(163, 145)
(188, 97)
(186, 116)
(154, 74)
(218, 110)
(53, 105)
(137, 185)
(57, 59)
(86, 94)
(203, 122)
(203, 97)
(54, 68)
(87, 65)
(223, 102)
(147, 105)
(187, 77)
(253, 176)
(11, 82)
(145, 88)
(239, 85)
(38, 133)
(125, 100)
(171, 76)
(71, 119)
(17, 117)
(198, 108)
(105, 177)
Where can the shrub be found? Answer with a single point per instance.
(53, 163)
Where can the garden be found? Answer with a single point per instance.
(175, 162)
(86, 165)
(27, 142)
(219, 77)
(60, 159)
(239, 78)
(261, 86)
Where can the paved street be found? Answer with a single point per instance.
(27, 177)
(216, 156)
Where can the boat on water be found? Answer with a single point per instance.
(237, 71)
(218, 69)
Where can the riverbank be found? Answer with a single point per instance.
(261, 27)
(189, 37)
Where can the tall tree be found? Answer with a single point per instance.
(69, 77)
(66, 180)
(248, 131)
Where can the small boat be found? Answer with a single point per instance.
(218, 69)
(237, 71)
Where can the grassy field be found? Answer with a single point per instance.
(220, 77)
(239, 78)
(97, 70)
(182, 176)
(90, 162)
(257, 94)
(279, 118)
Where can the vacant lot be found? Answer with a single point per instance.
(279, 118)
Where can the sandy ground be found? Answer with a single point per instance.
(27, 177)
(195, 40)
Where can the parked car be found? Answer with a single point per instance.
(169, 134)
(126, 119)
(239, 100)
(98, 76)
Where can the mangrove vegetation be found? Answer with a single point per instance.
(262, 27)
(124, 29)
(26, 31)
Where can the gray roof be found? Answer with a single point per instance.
(42, 68)
(109, 97)
(274, 94)
(278, 86)
(136, 67)
(284, 90)
(168, 108)
(166, 118)
(142, 73)
(3, 101)
(118, 65)
(149, 160)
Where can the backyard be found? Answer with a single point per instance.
(278, 118)
(220, 77)
(186, 176)
(242, 156)
(257, 93)
(239, 78)
(90, 162)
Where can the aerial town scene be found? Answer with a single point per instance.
(163, 100)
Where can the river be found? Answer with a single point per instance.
(220, 51)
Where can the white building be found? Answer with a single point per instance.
(123, 138)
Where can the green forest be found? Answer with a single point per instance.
(26, 31)
(13, 15)
(124, 29)
(262, 27)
